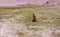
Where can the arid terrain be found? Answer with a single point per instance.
(17, 22)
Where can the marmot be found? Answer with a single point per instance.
(34, 18)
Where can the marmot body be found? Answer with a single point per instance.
(34, 18)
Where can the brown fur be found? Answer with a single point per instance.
(34, 18)
(0, 18)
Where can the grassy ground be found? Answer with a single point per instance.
(49, 17)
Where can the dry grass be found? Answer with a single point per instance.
(47, 20)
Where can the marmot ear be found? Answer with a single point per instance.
(33, 18)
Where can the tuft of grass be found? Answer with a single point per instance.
(20, 34)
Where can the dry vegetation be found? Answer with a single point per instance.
(18, 22)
